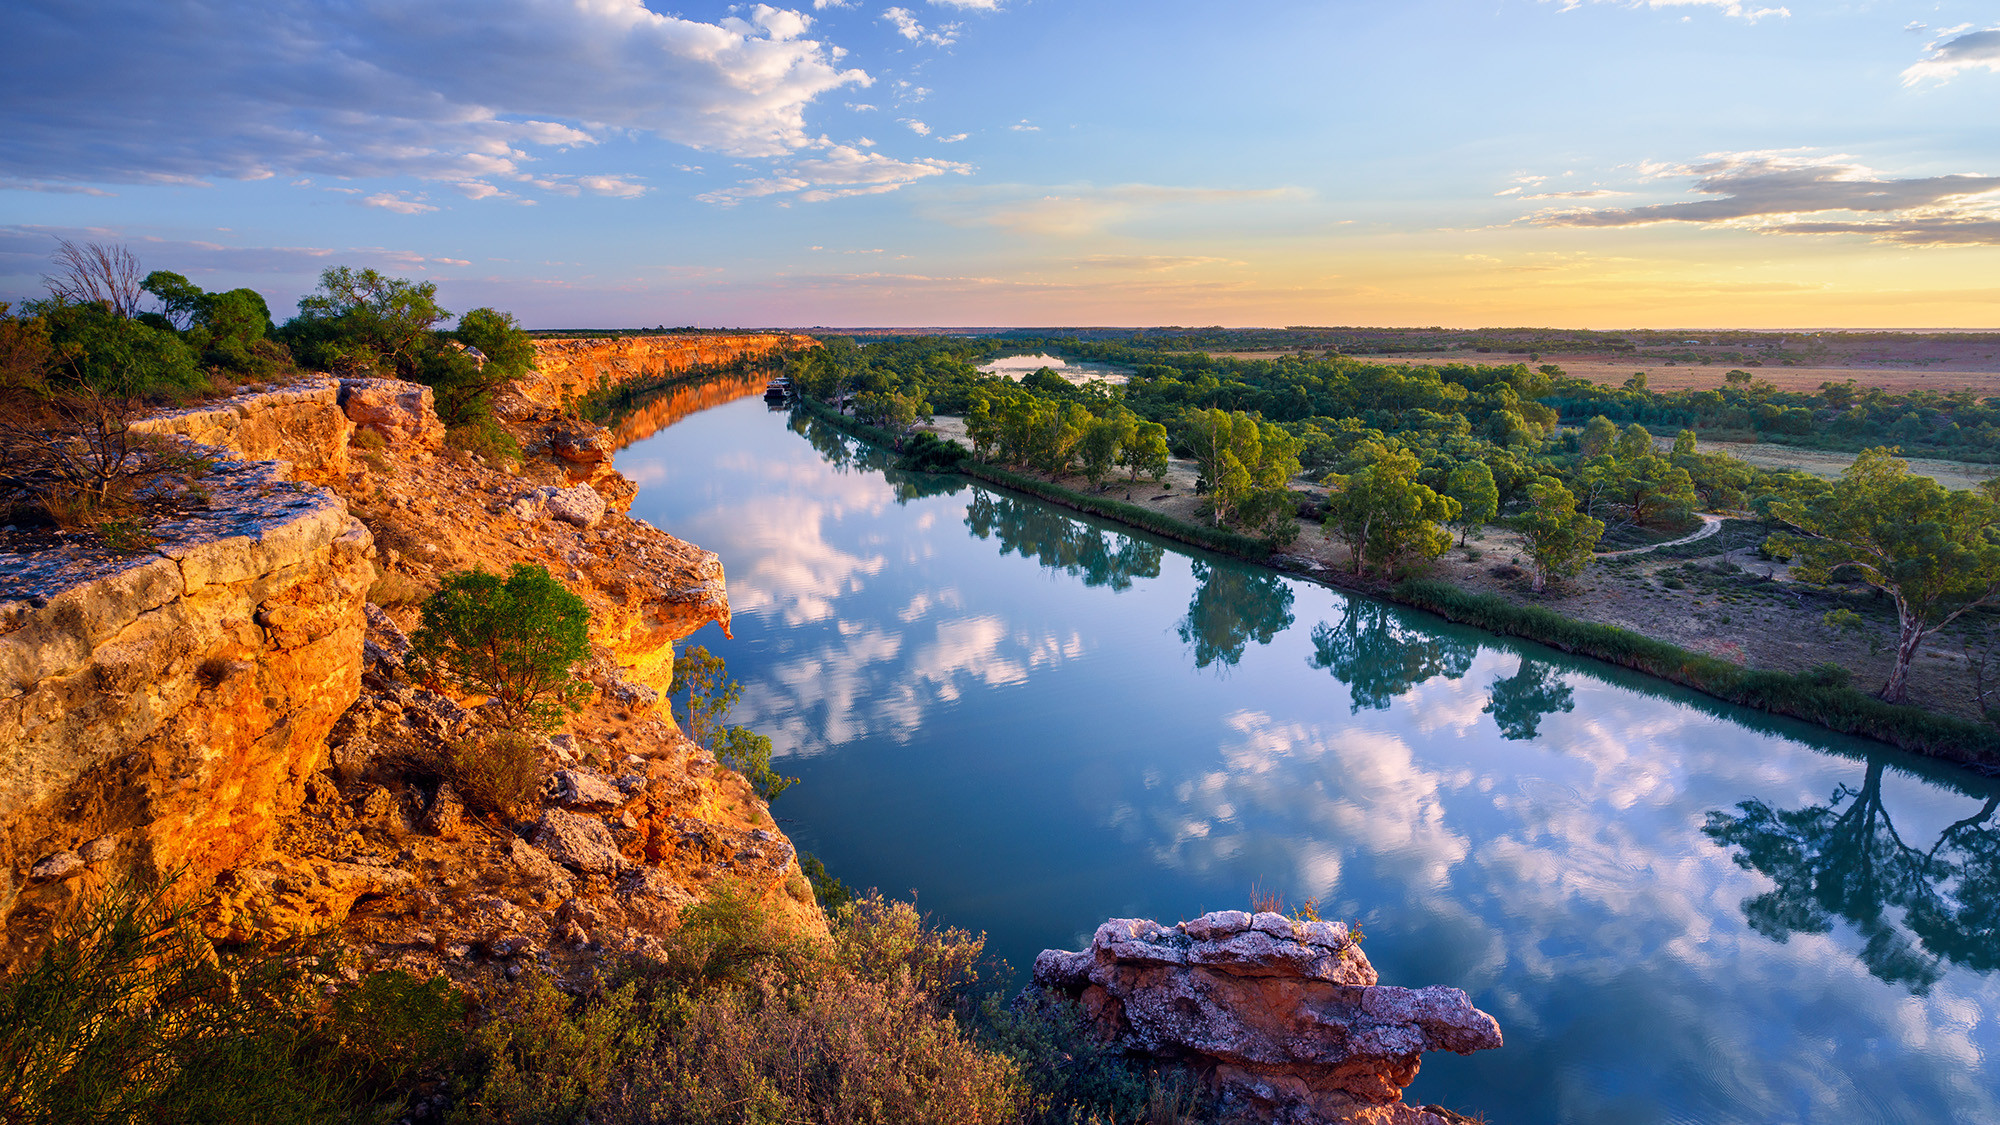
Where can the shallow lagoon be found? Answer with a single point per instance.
(1679, 911)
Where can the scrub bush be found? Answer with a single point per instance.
(514, 640)
(131, 1016)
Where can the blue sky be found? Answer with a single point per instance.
(1595, 163)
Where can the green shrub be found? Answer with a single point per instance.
(749, 754)
(827, 888)
(483, 437)
(499, 771)
(701, 697)
(130, 1016)
(513, 640)
(925, 452)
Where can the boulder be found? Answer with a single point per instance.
(580, 446)
(401, 412)
(1286, 1016)
(584, 789)
(581, 843)
(579, 505)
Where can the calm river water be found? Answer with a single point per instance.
(1679, 911)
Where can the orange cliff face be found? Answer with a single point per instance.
(671, 406)
(572, 368)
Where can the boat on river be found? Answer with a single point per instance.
(778, 389)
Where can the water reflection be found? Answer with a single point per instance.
(635, 421)
(1232, 606)
(1380, 658)
(1004, 732)
(1845, 859)
(1519, 702)
(848, 455)
(1059, 542)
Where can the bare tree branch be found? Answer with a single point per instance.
(96, 272)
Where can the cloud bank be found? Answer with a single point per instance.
(1792, 194)
(1949, 59)
(453, 90)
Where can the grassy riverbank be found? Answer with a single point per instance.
(1819, 696)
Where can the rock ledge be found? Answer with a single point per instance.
(1286, 1015)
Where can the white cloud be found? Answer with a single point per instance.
(917, 127)
(1951, 57)
(1022, 126)
(822, 5)
(839, 171)
(401, 202)
(1727, 7)
(953, 139)
(454, 90)
(908, 27)
(616, 187)
(1794, 193)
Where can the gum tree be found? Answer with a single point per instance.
(1930, 549)
(1560, 538)
(1471, 484)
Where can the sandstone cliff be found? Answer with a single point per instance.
(229, 706)
(1285, 1016)
(161, 711)
(569, 369)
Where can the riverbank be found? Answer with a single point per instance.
(1635, 598)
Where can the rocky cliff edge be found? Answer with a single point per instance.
(230, 704)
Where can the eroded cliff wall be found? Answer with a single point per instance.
(572, 368)
(227, 705)
(162, 710)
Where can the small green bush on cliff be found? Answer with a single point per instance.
(514, 640)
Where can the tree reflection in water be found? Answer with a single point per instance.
(1378, 659)
(1518, 702)
(1058, 542)
(1917, 907)
(1231, 607)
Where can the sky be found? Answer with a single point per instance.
(846, 163)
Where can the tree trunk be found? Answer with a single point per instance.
(1909, 635)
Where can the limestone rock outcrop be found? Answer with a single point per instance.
(572, 368)
(1287, 1016)
(298, 424)
(402, 413)
(160, 711)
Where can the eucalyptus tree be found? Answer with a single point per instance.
(1471, 484)
(1385, 515)
(1560, 539)
(1934, 551)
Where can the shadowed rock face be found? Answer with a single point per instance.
(1286, 1015)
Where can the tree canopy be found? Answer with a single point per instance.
(1932, 550)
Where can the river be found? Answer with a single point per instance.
(1678, 910)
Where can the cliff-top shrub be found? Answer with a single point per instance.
(130, 1015)
(513, 640)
